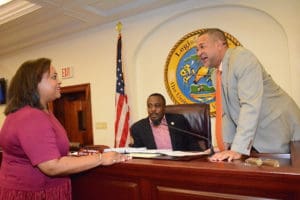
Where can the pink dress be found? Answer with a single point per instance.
(29, 137)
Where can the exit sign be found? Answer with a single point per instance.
(66, 72)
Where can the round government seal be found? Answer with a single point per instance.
(186, 79)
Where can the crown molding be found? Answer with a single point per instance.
(15, 9)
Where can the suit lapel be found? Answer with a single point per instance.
(225, 78)
(173, 135)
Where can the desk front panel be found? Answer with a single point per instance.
(145, 179)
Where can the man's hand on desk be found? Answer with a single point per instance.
(225, 155)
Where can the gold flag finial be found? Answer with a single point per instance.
(119, 27)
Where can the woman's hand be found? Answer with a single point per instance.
(113, 157)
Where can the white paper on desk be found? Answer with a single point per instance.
(156, 152)
(170, 152)
(138, 150)
(144, 155)
(126, 149)
(183, 153)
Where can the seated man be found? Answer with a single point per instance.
(153, 132)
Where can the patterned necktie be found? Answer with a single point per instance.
(219, 136)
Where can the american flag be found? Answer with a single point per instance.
(122, 108)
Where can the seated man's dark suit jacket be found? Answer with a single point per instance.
(142, 135)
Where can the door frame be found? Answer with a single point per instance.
(87, 91)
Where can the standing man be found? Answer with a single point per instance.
(153, 132)
(257, 113)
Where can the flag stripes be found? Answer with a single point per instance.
(121, 102)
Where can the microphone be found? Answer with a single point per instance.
(172, 126)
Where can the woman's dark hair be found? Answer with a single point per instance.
(23, 88)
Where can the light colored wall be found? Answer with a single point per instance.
(269, 28)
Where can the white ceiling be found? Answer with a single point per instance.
(56, 18)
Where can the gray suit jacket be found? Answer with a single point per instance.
(256, 111)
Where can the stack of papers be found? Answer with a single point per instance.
(152, 153)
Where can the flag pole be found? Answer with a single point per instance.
(122, 134)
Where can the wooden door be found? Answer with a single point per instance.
(73, 110)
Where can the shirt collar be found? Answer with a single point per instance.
(220, 68)
(163, 121)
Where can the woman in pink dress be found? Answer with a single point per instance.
(35, 163)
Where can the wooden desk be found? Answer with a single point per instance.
(145, 179)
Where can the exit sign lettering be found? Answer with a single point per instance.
(66, 72)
